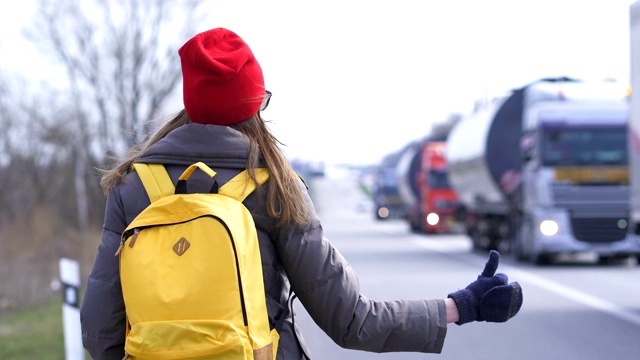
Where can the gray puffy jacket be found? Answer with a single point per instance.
(300, 258)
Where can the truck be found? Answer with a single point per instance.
(387, 202)
(432, 205)
(634, 118)
(543, 170)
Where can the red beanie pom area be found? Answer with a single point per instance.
(222, 80)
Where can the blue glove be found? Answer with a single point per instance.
(490, 298)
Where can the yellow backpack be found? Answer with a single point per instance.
(191, 272)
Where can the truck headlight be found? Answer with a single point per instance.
(549, 227)
(433, 219)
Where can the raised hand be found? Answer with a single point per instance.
(490, 298)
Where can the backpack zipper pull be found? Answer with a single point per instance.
(136, 232)
(124, 239)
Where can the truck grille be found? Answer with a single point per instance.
(591, 197)
(599, 230)
(599, 214)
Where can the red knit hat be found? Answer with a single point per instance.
(222, 80)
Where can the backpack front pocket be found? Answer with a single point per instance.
(188, 339)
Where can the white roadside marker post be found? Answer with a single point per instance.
(70, 278)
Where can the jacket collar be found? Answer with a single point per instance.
(217, 146)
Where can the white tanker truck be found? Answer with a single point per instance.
(543, 171)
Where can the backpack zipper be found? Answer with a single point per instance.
(134, 237)
(136, 232)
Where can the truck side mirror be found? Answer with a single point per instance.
(526, 147)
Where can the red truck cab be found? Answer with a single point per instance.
(438, 206)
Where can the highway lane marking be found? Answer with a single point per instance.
(453, 249)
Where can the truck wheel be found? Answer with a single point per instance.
(519, 243)
(541, 259)
(474, 235)
(613, 259)
(422, 224)
(414, 227)
(518, 247)
(504, 246)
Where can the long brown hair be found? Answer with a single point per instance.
(284, 198)
(285, 202)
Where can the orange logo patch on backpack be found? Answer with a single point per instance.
(181, 246)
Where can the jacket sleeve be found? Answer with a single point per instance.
(329, 290)
(102, 314)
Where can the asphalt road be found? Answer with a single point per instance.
(574, 310)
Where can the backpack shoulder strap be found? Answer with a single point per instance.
(240, 186)
(155, 179)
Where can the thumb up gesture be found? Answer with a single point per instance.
(490, 298)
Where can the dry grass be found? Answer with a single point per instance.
(29, 259)
(30, 308)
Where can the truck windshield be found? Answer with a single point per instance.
(438, 179)
(595, 145)
(387, 182)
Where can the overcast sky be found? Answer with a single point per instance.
(355, 80)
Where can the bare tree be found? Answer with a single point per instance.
(5, 145)
(120, 58)
(121, 63)
(35, 146)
